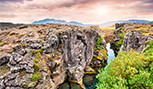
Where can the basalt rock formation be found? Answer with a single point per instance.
(129, 36)
(134, 40)
(44, 56)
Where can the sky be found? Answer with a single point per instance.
(85, 11)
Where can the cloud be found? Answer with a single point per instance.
(7, 16)
(87, 11)
(3, 1)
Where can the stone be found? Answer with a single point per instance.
(2, 86)
(20, 50)
(4, 60)
(80, 44)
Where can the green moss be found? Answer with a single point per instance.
(4, 68)
(36, 60)
(119, 43)
(37, 50)
(41, 50)
(32, 53)
(2, 43)
(78, 82)
(143, 31)
(41, 40)
(74, 73)
(25, 85)
(36, 67)
(23, 45)
(98, 43)
(35, 76)
(102, 52)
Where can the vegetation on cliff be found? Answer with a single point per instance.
(128, 70)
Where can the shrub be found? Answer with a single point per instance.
(129, 70)
(148, 49)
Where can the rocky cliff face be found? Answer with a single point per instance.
(129, 36)
(44, 56)
(134, 40)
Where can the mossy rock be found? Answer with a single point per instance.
(25, 85)
(36, 67)
(88, 80)
(35, 76)
(64, 86)
(89, 70)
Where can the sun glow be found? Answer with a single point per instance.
(102, 10)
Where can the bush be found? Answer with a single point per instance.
(148, 49)
(129, 70)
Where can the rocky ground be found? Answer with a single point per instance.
(48, 56)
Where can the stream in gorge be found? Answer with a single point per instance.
(110, 52)
(111, 56)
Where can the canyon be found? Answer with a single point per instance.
(51, 56)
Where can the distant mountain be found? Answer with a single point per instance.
(9, 25)
(44, 21)
(123, 21)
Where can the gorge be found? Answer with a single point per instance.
(51, 56)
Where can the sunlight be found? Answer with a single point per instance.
(101, 10)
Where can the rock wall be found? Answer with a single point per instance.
(134, 40)
(129, 36)
(44, 56)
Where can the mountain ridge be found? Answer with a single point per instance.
(44, 21)
(110, 23)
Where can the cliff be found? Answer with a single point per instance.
(132, 36)
(45, 56)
